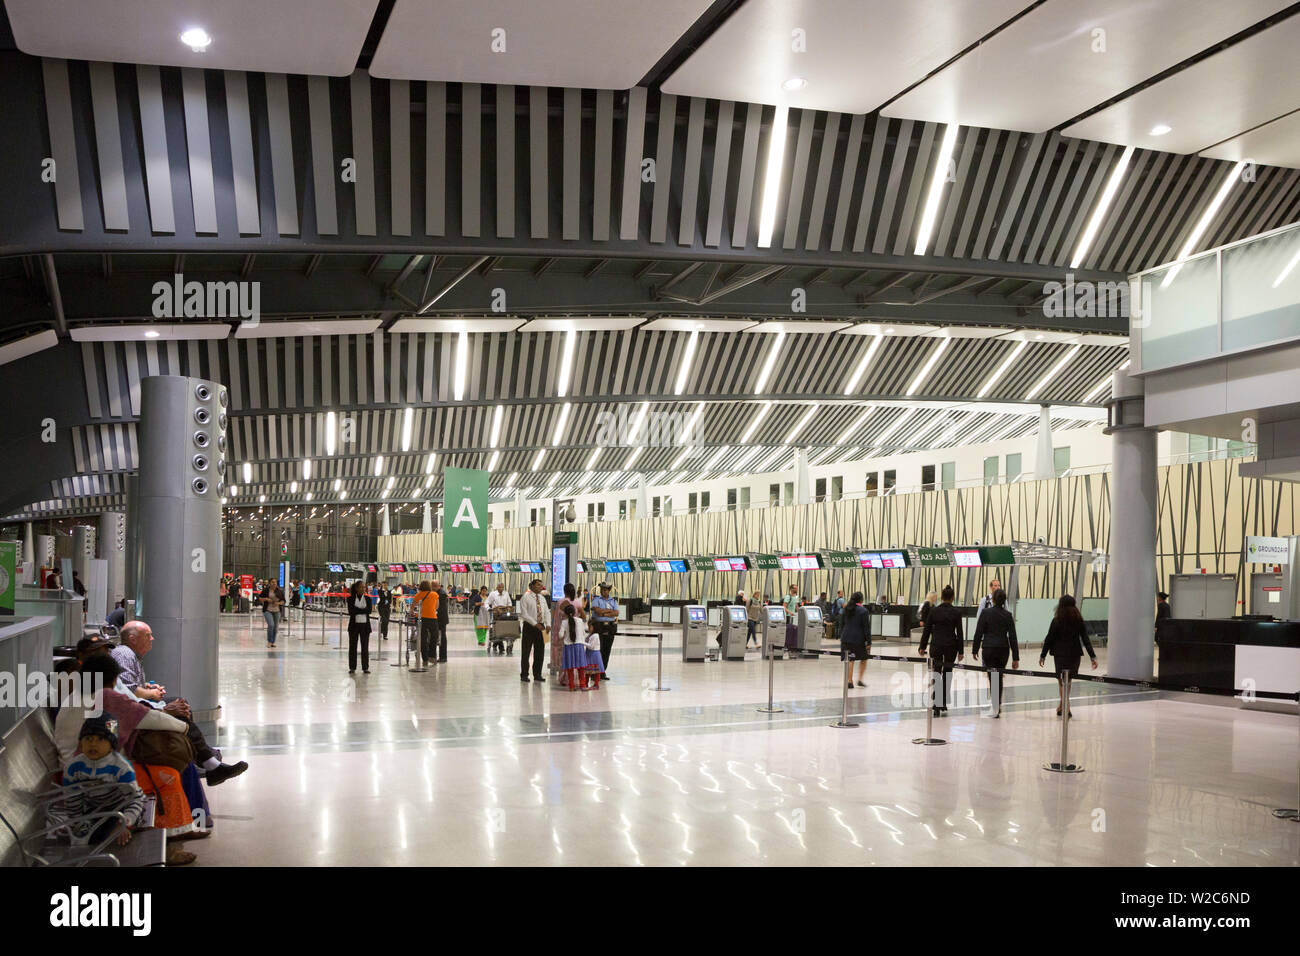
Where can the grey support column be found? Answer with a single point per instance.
(112, 548)
(182, 435)
(1045, 459)
(426, 525)
(1131, 644)
(131, 577)
(29, 545)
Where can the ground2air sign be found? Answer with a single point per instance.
(1263, 550)
(465, 511)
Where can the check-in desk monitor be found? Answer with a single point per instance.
(735, 632)
(695, 632)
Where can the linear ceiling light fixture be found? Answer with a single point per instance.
(937, 182)
(770, 363)
(853, 429)
(1002, 369)
(331, 432)
(922, 375)
(379, 465)
(496, 426)
(1207, 217)
(1099, 214)
(537, 459)
(876, 339)
(248, 473)
(492, 462)
(566, 363)
(1053, 371)
(1097, 389)
(408, 420)
(772, 176)
(800, 425)
(684, 373)
(462, 361)
(559, 426)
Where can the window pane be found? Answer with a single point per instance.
(744, 497)
(948, 474)
(837, 488)
(873, 482)
(891, 479)
(789, 492)
(991, 469)
(704, 501)
(1181, 316)
(1257, 307)
(1061, 461)
(1013, 467)
(927, 477)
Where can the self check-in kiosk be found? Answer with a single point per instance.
(809, 629)
(773, 628)
(695, 632)
(735, 632)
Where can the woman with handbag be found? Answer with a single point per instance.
(360, 607)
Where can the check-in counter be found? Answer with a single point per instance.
(892, 621)
(1231, 655)
(65, 607)
(666, 610)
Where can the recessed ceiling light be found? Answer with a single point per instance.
(1160, 129)
(794, 83)
(152, 334)
(196, 38)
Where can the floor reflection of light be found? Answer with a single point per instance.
(401, 825)
(732, 770)
(789, 825)
(555, 839)
(748, 832)
(686, 835)
(970, 815)
(839, 818)
(627, 835)
(716, 788)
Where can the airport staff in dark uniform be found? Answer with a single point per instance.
(1066, 640)
(943, 625)
(1163, 611)
(384, 605)
(996, 631)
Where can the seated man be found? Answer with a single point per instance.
(137, 639)
(117, 616)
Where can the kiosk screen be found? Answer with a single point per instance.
(813, 615)
(335, 568)
(697, 614)
(663, 566)
(399, 568)
(738, 615)
(677, 564)
(775, 614)
(967, 559)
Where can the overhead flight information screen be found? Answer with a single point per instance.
(618, 567)
(969, 558)
(800, 562)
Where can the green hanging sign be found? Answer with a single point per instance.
(465, 512)
(843, 559)
(997, 554)
(8, 576)
(934, 557)
(645, 564)
(766, 562)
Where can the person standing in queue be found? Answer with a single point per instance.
(791, 602)
(604, 618)
(1163, 612)
(272, 599)
(996, 630)
(384, 605)
(1066, 640)
(360, 606)
(498, 603)
(754, 611)
(986, 601)
(426, 601)
(855, 636)
(943, 626)
(444, 609)
(533, 620)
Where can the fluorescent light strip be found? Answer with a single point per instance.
(753, 426)
(876, 339)
(1002, 369)
(391, 481)
(408, 419)
(496, 426)
(492, 462)
(680, 458)
(1098, 214)
(559, 426)
(937, 182)
(293, 487)
(929, 365)
(901, 420)
(862, 420)
(462, 363)
(331, 432)
(537, 459)
(800, 425)
(638, 422)
(566, 364)
(636, 453)
(1052, 372)
(234, 490)
(338, 484)
(717, 458)
(1206, 218)
(595, 453)
(772, 176)
(689, 358)
(428, 464)
(770, 363)
(510, 482)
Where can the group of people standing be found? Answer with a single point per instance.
(995, 632)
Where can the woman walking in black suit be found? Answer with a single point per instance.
(996, 630)
(943, 624)
(1066, 641)
(855, 636)
(360, 606)
(384, 605)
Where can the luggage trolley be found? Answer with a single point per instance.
(503, 632)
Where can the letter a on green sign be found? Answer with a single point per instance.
(465, 512)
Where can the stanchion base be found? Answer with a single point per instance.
(928, 741)
(1292, 815)
(771, 710)
(417, 670)
(843, 723)
(398, 664)
(1068, 768)
(660, 688)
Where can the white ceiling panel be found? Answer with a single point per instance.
(888, 328)
(857, 53)
(1248, 84)
(696, 325)
(456, 325)
(141, 332)
(1041, 335)
(268, 330)
(797, 326)
(274, 36)
(1273, 144)
(1045, 68)
(28, 346)
(611, 44)
(588, 323)
(965, 332)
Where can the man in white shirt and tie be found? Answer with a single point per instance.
(986, 601)
(534, 618)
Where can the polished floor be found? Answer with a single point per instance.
(466, 765)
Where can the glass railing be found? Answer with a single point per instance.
(1232, 299)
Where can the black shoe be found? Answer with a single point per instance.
(850, 684)
(353, 671)
(937, 712)
(442, 660)
(365, 670)
(539, 679)
(604, 676)
(860, 684)
(224, 772)
(523, 680)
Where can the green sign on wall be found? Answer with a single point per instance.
(997, 554)
(766, 562)
(645, 564)
(8, 575)
(843, 559)
(465, 511)
(934, 557)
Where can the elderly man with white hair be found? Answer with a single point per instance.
(137, 639)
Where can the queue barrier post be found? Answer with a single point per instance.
(659, 664)
(929, 740)
(771, 680)
(416, 658)
(321, 607)
(844, 704)
(1064, 766)
(1292, 813)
